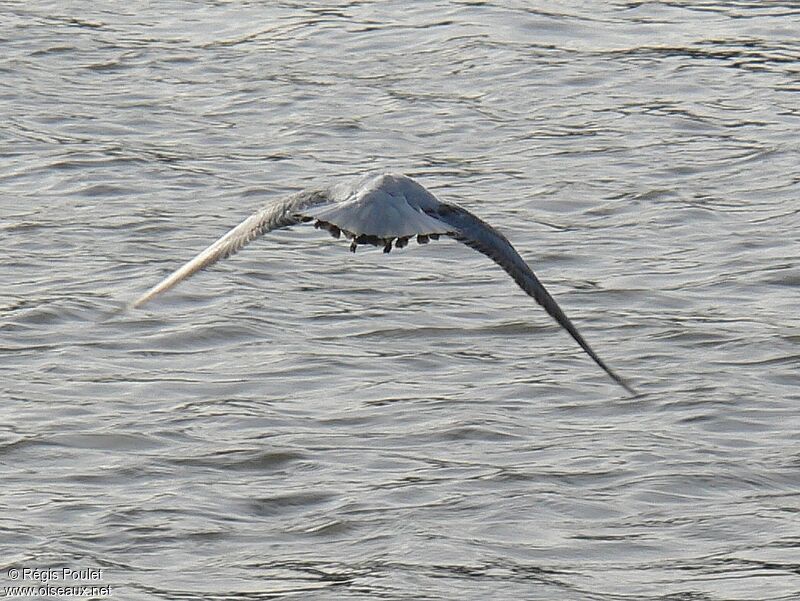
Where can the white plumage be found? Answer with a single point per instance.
(384, 206)
(383, 210)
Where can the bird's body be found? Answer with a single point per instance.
(384, 210)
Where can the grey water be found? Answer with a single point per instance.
(301, 422)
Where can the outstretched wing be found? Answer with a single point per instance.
(276, 215)
(481, 236)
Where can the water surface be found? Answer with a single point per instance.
(302, 422)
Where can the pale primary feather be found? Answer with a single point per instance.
(275, 215)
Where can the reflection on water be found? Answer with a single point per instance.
(304, 420)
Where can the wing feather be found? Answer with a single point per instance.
(481, 236)
(276, 215)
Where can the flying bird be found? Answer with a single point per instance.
(385, 210)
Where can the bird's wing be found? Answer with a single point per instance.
(276, 215)
(481, 236)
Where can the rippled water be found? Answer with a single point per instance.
(302, 422)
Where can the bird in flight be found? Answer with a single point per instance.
(385, 210)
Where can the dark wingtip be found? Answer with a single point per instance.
(628, 388)
(585, 346)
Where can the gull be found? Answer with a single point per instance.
(385, 210)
